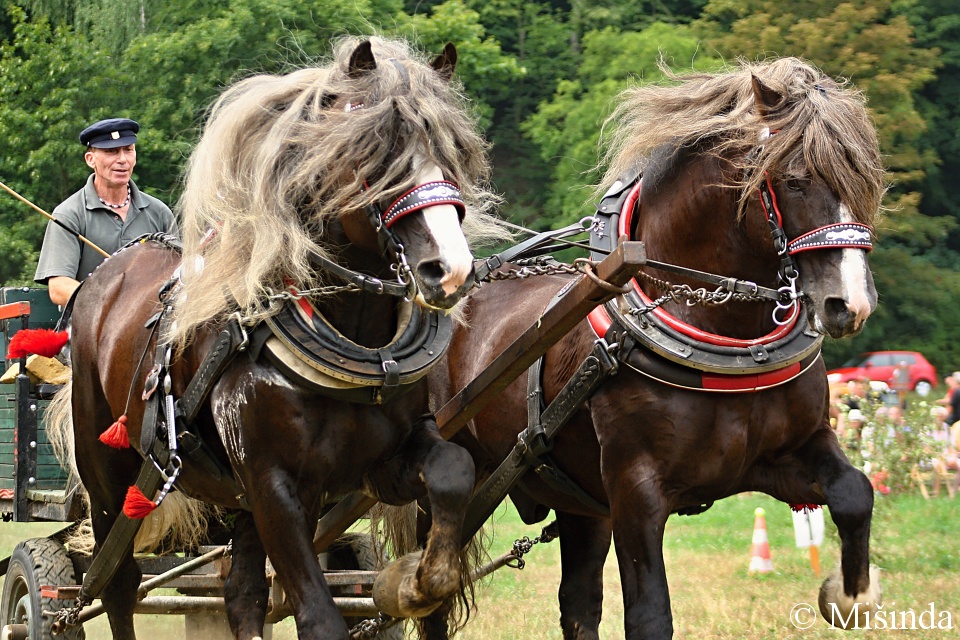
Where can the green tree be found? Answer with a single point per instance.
(482, 66)
(937, 25)
(567, 127)
(47, 96)
(864, 41)
(539, 37)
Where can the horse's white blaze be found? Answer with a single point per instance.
(855, 274)
(444, 225)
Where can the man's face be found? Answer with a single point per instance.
(113, 167)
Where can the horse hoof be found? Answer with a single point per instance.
(395, 591)
(845, 612)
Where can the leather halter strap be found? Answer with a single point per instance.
(840, 235)
(837, 235)
(428, 194)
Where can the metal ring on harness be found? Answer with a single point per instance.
(586, 266)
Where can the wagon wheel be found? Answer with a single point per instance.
(36, 562)
(357, 551)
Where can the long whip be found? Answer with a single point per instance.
(60, 224)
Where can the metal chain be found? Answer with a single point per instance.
(538, 267)
(316, 291)
(400, 267)
(522, 546)
(685, 293)
(367, 629)
(69, 616)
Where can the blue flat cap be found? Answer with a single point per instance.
(109, 134)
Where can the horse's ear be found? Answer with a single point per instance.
(766, 99)
(361, 60)
(446, 62)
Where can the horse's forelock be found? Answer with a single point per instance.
(821, 128)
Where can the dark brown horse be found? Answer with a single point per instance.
(284, 192)
(712, 397)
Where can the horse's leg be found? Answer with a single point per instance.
(256, 410)
(412, 586)
(639, 514)
(847, 491)
(106, 473)
(245, 590)
(584, 544)
(287, 535)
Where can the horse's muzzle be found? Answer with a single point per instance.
(839, 318)
(440, 287)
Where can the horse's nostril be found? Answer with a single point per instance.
(836, 308)
(432, 271)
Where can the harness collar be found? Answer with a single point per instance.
(312, 353)
(663, 347)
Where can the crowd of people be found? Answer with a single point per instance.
(873, 426)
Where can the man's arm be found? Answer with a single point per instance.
(61, 288)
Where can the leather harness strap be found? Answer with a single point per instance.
(536, 441)
(231, 340)
(428, 194)
(119, 540)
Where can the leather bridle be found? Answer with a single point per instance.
(837, 235)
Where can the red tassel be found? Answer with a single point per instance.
(137, 506)
(43, 342)
(805, 507)
(116, 436)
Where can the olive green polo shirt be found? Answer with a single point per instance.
(63, 254)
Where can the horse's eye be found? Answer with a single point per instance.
(797, 184)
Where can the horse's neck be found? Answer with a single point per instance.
(367, 319)
(693, 224)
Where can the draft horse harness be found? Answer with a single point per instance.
(299, 341)
(634, 331)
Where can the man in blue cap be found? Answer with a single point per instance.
(109, 210)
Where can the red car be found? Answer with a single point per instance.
(885, 366)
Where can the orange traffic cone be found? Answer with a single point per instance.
(760, 561)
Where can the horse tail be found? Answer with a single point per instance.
(178, 523)
(394, 530)
(59, 424)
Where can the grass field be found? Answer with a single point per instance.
(915, 542)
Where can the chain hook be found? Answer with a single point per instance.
(792, 296)
(405, 273)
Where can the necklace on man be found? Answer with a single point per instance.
(116, 206)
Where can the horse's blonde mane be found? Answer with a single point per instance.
(280, 155)
(822, 129)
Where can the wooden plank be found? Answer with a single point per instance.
(578, 300)
(43, 313)
(6, 474)
(571, 308)
(14, 310)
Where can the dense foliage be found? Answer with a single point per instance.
(542, 74)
